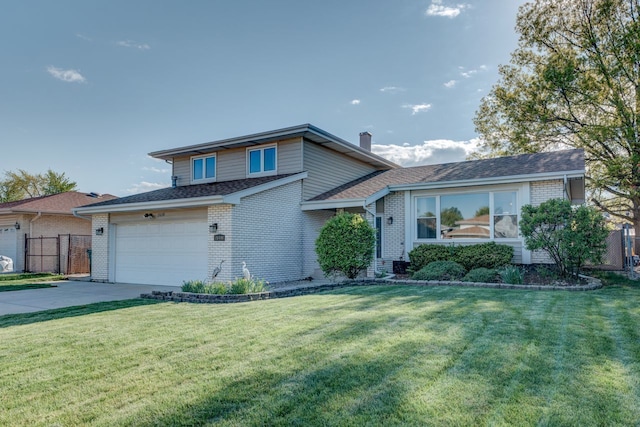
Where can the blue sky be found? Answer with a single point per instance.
(88, 88)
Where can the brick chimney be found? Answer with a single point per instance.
(365, 140)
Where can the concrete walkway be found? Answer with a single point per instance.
(70, 293)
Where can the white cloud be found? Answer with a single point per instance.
(467, 74)
(417, 108)
(450, 83)
(133, 45)
(430, 152)
(392, 89)
(83, 37)
(355, 102)
(436, 8)
(145, 186)
(71, 76)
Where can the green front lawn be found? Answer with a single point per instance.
(379, 355)
(22, 281)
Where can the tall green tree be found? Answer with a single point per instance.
(23, 185)
(574, 82)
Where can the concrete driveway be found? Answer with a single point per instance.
(70, 293)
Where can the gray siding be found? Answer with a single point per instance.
(232, 164)
(328, 169)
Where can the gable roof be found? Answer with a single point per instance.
(193, 195)
(306, 131)
(61, 203)
(519, 168)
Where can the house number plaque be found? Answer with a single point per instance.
(218, 237)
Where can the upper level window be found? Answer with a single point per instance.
(203, 168)
(262, 161)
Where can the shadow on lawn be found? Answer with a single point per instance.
(356, 390)
(75, 311)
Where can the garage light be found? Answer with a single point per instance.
(99, 231)
(213, 228)
(17, 226)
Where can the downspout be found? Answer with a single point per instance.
(37, 217)
(373, 215)
(566, 188)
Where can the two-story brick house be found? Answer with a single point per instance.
(262, 199)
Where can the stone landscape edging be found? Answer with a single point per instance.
(592, 284)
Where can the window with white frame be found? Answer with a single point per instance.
(203, 168)
(262, 161)
(481, 215)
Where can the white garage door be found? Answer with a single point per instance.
(8, 242)
(158, 253)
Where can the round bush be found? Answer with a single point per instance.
(345, 245)
(440, 270)
(425, 254)
(483, 275)
(483, 255)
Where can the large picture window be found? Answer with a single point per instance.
(203, 168)
(262, 161)
(483, 215)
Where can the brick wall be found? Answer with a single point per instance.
(267, 234)
(100, 249)
(393, 239)
(221, 250)
(542, 191)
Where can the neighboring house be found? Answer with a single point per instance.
(48, 217)
(263, 198)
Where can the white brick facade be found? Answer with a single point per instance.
(393, 234)
(541, 191)
(221, 250)
(267, 234)
(100, 249)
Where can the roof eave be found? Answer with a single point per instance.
(308, 131)
(233, 198)
(488, 181)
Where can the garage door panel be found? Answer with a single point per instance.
(8, 242)
(161, 253)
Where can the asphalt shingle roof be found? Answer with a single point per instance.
(192, 191)
(524, 164)
(61, 203)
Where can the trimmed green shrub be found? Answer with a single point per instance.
(440, 270)
(345, 245)
(483, 255)
(425, 254)
(483, 275)
(512, 275)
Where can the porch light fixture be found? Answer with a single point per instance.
(17, 225)
(390, 220)
(148, 215)
(213, 228)
(99, 231)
